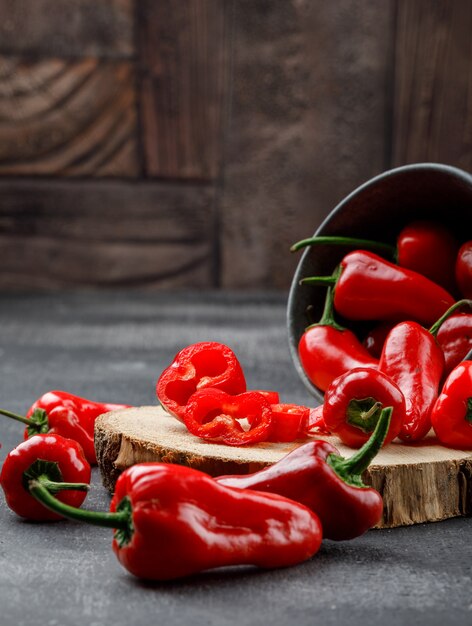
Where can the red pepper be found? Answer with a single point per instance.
(455, 339)
(353, 404)
(327, 350)
(289, 422)
(199, 366)
(171, 521)
(451, 416)
(464, 269)
(425, 247)
(375, 338)
(215, 415)
(316, 424)
(315, 475)
(366, 287)
(64, 414)
(272, 397)
(53, 461)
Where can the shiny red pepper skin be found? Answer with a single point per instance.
(452, 412)
(215, 415)
(455, 338)
(464, 269)
(71, 462)
(289, 422)
(184, 522)
(72, 417)
(352, 396)
(412, 358)
(430, 249)
(304, 475)
(370, 288)
(199, 366)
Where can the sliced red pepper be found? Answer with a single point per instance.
(367, 287)
(53, 461)
(172, 521)
(464, 269)
(199, 366)
(289, 421)
(316, 424)
(65, 414)
(272, 397)
(327, 350)
(315, 475)
(354, 402)
(455, 339)
(216, 416)
(451, 416)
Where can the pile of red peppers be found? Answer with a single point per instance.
(412, 370)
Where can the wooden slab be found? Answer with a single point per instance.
(419, 483)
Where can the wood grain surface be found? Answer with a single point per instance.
(105, 234)
(418, 483)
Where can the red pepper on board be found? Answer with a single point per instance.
(327, 350)
(464, 269)
(315, 475)
(455, 339)
(272, 397)
(172, 521)
(215, 415)
(424, 246)
(353, 404)
(54, 462)
(316, 424)
(451, 416)
(199, 366)
(366, 287)
(64, 414)
(289, 422)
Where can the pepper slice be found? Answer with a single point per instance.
(353, 404)
(53, 461)
(289, 421)
(315, 475)
(67, 415)
(172, 521)
(451, 416)
(215, 415)
(199, 366)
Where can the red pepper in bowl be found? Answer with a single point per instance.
(172, 521)
(354, 402)
(199, 366)
(463, 269)
(451, 416)
(327, 350)
(64, 414)
(366, 287)
(455, 338)
(315, 475)
(375, 338)
(424, 246)
(215, 415)
(52, 461)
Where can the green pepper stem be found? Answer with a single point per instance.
(350, 469)
(15, 416)
(109, 520)
(54, 487)
(327, 318)
(346, 241)
(318, 280)
(437, 325)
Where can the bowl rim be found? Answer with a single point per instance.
(420, 167)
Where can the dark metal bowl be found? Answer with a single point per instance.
(378, 210)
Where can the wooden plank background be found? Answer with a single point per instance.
(184, 144)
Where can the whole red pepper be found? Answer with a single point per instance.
(327, 350)
(315, 475)
(353, 404)
(455, 338)
(53, 461)
(463, 269)
(423, 246)
(451, 416)
(171, 521)
(414, 360)
(199, 366)
(215, 415)
(64, 414)
(367, 287)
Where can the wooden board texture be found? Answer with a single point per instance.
(418, 483)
